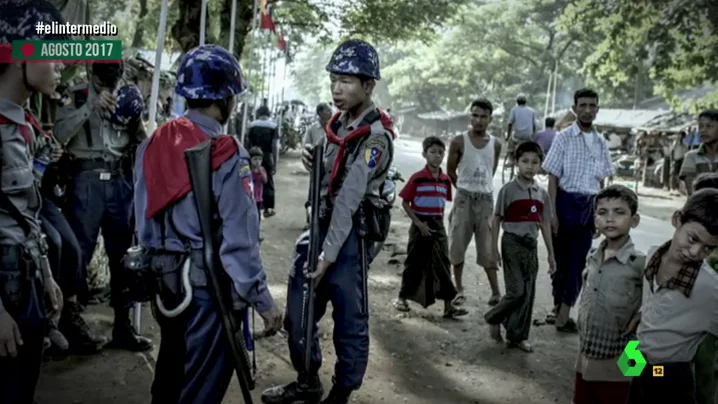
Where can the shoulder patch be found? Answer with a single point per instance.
(372, 155)
(374, 143)
(246, 174)
(244, 170)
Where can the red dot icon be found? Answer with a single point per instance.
(27, 50)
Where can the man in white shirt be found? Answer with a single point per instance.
(522, 121)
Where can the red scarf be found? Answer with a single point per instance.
(165, 171)
(359, 132)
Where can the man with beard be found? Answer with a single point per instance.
(577, 164)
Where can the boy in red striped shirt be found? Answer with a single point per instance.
(427, 270)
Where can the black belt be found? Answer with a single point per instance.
(96, 165)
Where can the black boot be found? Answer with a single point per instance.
(81, 339)
(305, 391)
(337, 395)
(124, 335)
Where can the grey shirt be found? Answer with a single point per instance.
(18, 180)
(672, 324)
(610, 297)
(523, 120)
(108, 140)
(522, 208)
(361, 178)
(314, 134)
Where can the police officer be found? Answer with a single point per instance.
(194, 364)
(100, 136)
(360, 140)
(24, 269)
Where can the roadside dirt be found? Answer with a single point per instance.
(417, 358)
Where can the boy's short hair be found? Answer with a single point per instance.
(482, 103)
(622, 192)
(705, 180)
(528, 147)
(550, 122)
(256, 152)
(711, 114)
(432, 141)
(701, 208)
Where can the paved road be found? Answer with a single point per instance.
(650, 232)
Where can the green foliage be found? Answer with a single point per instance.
(675, 42)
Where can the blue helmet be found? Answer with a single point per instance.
(209, 72)
(19, 18)
(130, 105)
(355, 57)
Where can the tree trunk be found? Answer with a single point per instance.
(140, 29)
(186, 29)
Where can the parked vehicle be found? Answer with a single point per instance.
(388, 194)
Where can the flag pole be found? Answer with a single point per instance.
(203, 23)
(245, 112)
(155, 91)
(232, 22)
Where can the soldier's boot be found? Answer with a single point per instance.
(124, 335)
(305, 391)
(337, 395)
(79, 336)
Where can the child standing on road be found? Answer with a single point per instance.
(427, 274)
(522, 208)
(680, 303)
(259, 176)
(610, 299)
(704, 159)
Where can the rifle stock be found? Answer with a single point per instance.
(198, 160)
(313, 259)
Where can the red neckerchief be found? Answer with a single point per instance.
(25, 130)
(359, 132)
(164, 168)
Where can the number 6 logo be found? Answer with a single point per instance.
(630, 352)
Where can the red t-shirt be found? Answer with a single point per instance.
(426, 194)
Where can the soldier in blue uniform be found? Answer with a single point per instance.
(358, 152)
(24, 266)
(100, 127)
(194, 363)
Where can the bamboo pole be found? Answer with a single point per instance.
(154, 92)
(245, 110)
(203, 23)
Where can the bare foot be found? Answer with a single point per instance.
(495, 332)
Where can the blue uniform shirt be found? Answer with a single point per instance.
(239, 252)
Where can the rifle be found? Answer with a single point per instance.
(199, 159)
(313, 259)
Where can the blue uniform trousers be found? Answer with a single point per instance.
(19, 375)
(194, 364)
(65, 254)
(571, 244)
(93, 204)
(342, 285)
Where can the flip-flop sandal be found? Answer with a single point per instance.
(550, 318)
(495, 299)
(523, 345)
(401, 306)
(459, 299)
(570, 327)
(456, 312)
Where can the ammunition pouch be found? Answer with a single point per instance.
(139, 277)
(19, 272)
(377, 221)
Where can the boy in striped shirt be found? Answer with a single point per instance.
(427, 270)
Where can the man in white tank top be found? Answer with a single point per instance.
(472, 162)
